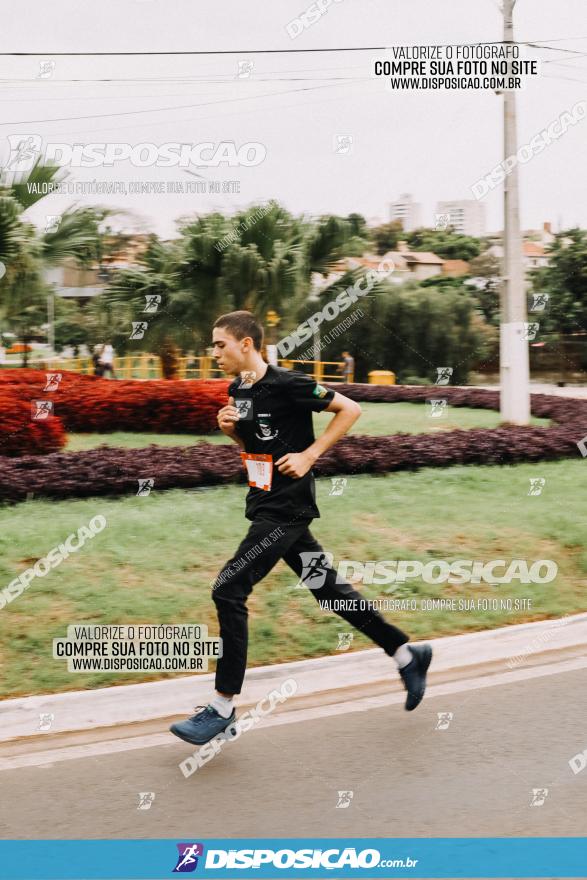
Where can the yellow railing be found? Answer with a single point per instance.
(148, 366)
(318, 372)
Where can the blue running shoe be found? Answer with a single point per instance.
(203, 726)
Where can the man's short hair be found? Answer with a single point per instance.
(241, 324)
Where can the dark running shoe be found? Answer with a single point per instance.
(414, 675)
(203, 726)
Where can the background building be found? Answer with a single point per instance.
(467, 216)
(407, 211)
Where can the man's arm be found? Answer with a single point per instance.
(296, 464)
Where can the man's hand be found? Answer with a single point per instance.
(295, 464)
(227, 418)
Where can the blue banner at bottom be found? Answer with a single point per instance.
(294, 857)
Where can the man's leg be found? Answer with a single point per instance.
(412, 662)
(357, 611)
(264, 545)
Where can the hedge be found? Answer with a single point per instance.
(107, 471)
(93, 404)
(21, 434)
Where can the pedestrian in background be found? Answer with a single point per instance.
(107, 359)
(96, 355)
(348, 367)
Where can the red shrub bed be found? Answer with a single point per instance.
(106, 471)
(20, 434)
(164, 407)
(92, 404)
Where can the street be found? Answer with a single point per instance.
(392, 774)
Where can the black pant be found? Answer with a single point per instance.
(265, 544)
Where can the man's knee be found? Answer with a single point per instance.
(230, 597)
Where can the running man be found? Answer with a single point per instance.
(269, 415)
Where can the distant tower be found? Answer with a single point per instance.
(467, 216)
(407, 211)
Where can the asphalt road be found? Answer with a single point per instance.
(408, 779)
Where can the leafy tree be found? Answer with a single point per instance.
(387, 236)
(487, 268)
(11, 232)
(358, 225)
(23, 303)
(25, 251)
(78, 236)
(148, 294)
(71, 325)
(565, 281)
(259, 259)
(411, 331)
(442, 281)
(446, 243)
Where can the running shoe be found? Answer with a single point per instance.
(414, 675)
(203, 726)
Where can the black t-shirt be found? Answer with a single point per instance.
(277, 419)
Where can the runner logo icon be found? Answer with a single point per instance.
(315, 568)
(187, 859)
(244, 408)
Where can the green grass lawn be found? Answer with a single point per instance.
(154, 561)
(377, 419)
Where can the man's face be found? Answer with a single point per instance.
(231, 353)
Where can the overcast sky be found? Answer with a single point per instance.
(432, 144)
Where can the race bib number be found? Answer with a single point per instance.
(259, 470)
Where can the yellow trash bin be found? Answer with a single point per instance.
(381, 377)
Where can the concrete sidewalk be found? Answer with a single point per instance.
(126, 710)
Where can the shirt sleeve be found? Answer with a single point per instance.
(306, 393)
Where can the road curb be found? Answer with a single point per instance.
(321, 681)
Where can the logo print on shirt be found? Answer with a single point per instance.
(265, 428)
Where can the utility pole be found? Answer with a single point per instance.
(51, 320)
(514, 358)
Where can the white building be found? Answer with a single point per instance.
(466, 216)
(534, 255)
(407, 211)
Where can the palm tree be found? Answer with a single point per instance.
(259, 259)
(25, 252)
(155, 281)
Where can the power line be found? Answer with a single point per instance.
(187, 79)
(20, 99)
(219, 77)
(562, 63)
(265, 51)
(134, 125)
(183, 80)
(164, 109)
(230, 77)
(551, 49)
(567, 78)
(192, 52)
